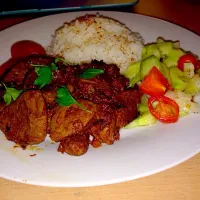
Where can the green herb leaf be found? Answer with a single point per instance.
(44, 73)
(64, 98)
(11, 93)
(60, 59)
(90, 73)
(37, 69)
(7, 98)
(44, 76)
(53, 66)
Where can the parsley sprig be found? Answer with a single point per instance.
(64, 98)
(44, 73)
(91, 72)
(11, 94)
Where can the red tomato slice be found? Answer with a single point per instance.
(187, 58)
(166, 109)
(25, 48)
(154, 83)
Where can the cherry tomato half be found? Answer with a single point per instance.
(25, 48)
(166, 109)
(154, 84)
(187, 58)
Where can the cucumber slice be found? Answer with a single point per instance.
(160, 40)
(176, 79)
(150, 50)
(143, 108)
(148, 64)
(144, 99)
(165, 47)
(133, 73)
(166, 72)
(145, 119)
(173, 57)
(133, 70)
(193, 86)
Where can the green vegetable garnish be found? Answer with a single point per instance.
(53, 66)
(11, 94)
(44, 73)
(90, 73)
(64, 98)
(44, 76)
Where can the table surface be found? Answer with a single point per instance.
(177, 183)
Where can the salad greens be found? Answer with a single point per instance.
(165, 55)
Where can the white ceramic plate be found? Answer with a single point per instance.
(140, 152)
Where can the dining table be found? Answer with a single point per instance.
(181, 182)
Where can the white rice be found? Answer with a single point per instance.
(96, 38)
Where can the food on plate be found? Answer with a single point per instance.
(76, 105)
(169, 78)
(94, 37)
(154, 83)
(96, 78)
(166, 110)
(68, 120)
(75, 145)
(25, 120)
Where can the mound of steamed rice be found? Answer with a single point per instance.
(93, 37)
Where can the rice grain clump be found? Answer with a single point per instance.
(93, 37)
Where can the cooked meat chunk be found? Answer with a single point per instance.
(103, 88)
(50, 100)
(29, 79)
(2, 102)
(25, 120)
(98, 91)
(16, 75)
(39, 60)
(105, 125)
(102, 126)
(129, 100)
(129, 96)
(76, 144)
(2, 105)
(49, 96)
(110, 105)
(68, 120)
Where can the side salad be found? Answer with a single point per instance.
(169, 77)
